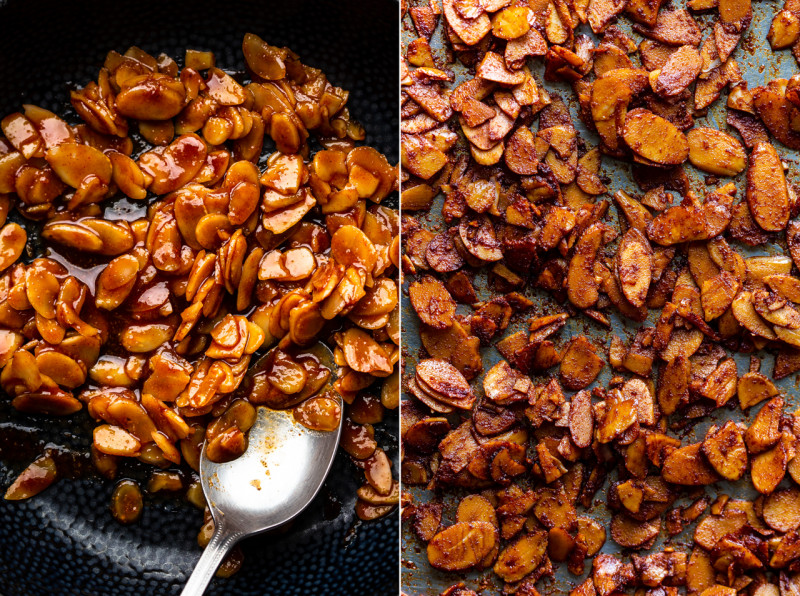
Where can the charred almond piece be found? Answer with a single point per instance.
(462, 545)
(445, 383)
(433, 302)
(581, 419)
(678, 72)
(687, 466)
(767, 194)
(581, 364)
(655, 138)
(715, 152)
(33, 479)
(725, 450)
(522, 557)
(635, 266)
(765, 430)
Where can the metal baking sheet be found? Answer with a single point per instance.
(759, 64)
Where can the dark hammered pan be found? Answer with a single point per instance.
(64, 541)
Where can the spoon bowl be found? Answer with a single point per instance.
(271, 483)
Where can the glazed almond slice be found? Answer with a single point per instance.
(725, 450)
(654, 138)
(32, 480)
(635, 266)
(503, 385)
(445, 382)
(580, 364)
(678, 72)
(769, 468)
(716, 152)
(767, 193)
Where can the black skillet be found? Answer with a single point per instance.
(64, 541)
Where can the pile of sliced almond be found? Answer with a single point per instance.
(566, 420)
(223, 261)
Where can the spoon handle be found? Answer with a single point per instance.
(221, 542)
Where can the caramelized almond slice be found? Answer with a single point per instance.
(113, 440)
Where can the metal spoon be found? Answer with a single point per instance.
(278, 475)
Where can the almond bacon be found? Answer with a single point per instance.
(510, 212)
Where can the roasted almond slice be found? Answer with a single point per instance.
(745, 312)
(678, 72)
(443, 381)
(635, 266)
(581, 419)
(781, 510)
(716, 152)
(469, 30)
(687, 466)
(520, 558)
(725, 450)
(582, 286)
(655, 138)
(765, 430)
(433, 302)
(767, 193)
(462, 545)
